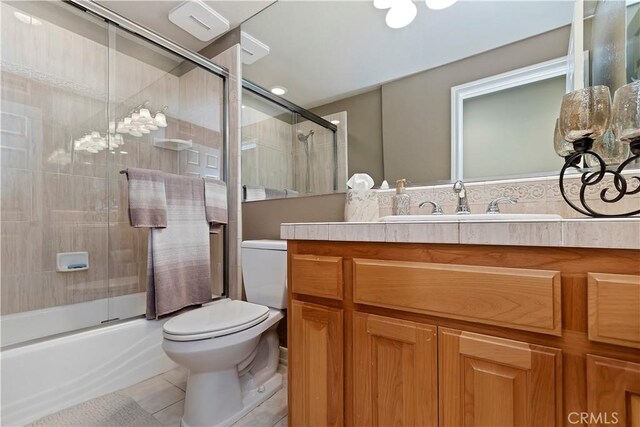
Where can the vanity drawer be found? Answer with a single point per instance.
(512, 297)
(319, 276)
(614, 309)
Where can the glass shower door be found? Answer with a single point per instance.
(54, 67)
(62, 147)
(166, 114)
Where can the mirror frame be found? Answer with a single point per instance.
(519, 77)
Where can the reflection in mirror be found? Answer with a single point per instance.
(609, 34)
(395, 84)
(286, 155)
(500, 124)
(633, 40)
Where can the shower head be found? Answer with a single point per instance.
(302, 137)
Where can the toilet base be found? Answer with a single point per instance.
(251, 399)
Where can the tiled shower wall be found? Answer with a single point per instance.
(267, 146)
(321, 157)
(56, 199)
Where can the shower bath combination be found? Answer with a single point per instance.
(305, 140)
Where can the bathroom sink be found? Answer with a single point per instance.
(470, 217)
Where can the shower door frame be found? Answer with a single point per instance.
(288, 105)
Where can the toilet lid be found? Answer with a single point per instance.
(217, 319)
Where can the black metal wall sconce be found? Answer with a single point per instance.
(593, 134)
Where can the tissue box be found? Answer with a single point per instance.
(361, 206)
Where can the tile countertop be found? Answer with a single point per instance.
(622, 233)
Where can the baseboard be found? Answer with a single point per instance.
(284, 356)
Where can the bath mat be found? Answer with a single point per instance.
(111, 410)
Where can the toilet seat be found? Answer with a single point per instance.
(213, 320)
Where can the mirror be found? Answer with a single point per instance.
(614, 35)
(632, 17)
(394, 86)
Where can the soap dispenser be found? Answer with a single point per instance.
(401, 200)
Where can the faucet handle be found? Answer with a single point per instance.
(493, 207)
(437, 209)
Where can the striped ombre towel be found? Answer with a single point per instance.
(179, 259)
(147, 198)
(216, 208)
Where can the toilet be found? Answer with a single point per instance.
(231, 347)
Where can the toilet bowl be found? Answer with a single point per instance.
(231, 347)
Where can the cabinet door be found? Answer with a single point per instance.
(395, 372)
(613, 391)
(489, 381)
(316, 365)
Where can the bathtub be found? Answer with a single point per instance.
(47, 376)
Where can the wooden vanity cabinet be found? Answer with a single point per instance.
(384, 334)
(490, 381)
(394, 372)
(613, 391)
(317, 362)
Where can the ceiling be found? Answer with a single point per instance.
(326, 50)
(153, 14)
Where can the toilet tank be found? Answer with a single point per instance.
(264, 272)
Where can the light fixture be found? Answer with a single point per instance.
(335, 122)
(585, 121)
(27, 19)
(137, 123)
(278, 90)
(160, 119)
(401, 14)
(439, 4)
(382, 4)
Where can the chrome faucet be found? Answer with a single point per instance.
(493, 207)
(436, 209)
(463, 203)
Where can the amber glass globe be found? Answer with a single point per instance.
(626, 113)
(612, 150)
(585, 113)
(563, 147)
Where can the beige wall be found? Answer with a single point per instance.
(364, 137)
(261, 220)
(416, 110)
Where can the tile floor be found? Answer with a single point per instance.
(163, 397)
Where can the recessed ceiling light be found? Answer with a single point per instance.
(27, 19)
(335, 122)
(278, 90)
(124, 152)
(439, 4)
(243, 106)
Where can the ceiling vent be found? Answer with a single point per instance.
(199, 20)
(252, 48)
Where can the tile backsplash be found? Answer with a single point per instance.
(539, 195)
